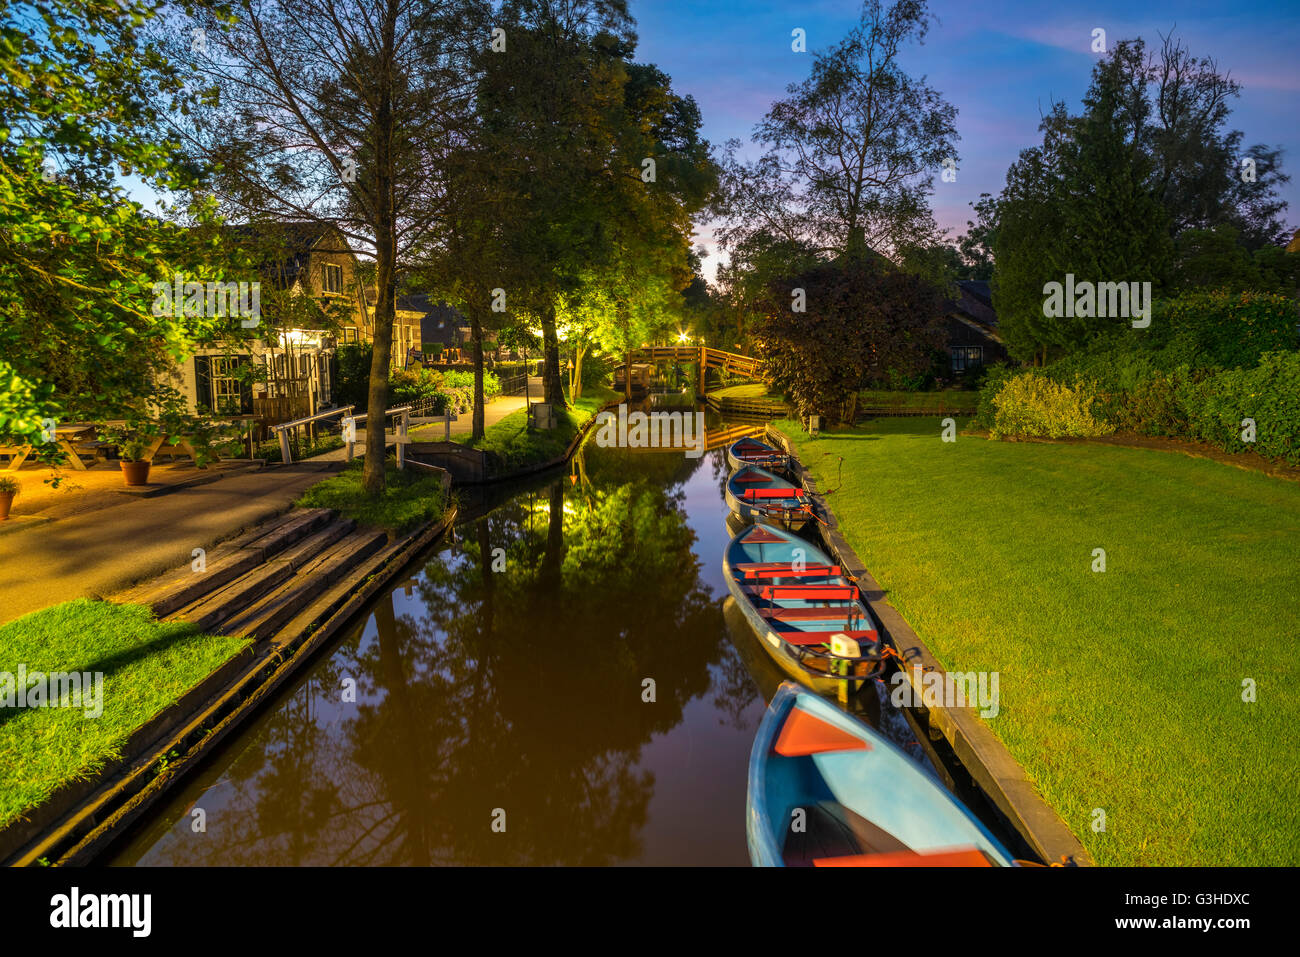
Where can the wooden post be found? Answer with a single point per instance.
(286, 457)
(702, 369)
(402, 425)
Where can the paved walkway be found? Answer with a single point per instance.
(101, 552)
(493, 412)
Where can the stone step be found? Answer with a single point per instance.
(266, 616)
(228, 561)
(231, 599)
(333, 598)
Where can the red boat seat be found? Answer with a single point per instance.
(812, 614)
(824, 637)
(951, 857)
(805, 733)
(786, 570)
(756, 493)
(809, 592)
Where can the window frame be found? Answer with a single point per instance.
(328, 270)
(963, 358)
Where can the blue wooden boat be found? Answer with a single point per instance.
(750, 451)
(808, 616)
(757, 495)
(825, 790)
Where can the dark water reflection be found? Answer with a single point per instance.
(482, 692)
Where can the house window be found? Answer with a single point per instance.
(350, 334)
(333, 278)
(967, 357)
(226, 390)
(323, 376)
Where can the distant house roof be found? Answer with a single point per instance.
(974, 307)
(439, 322)
(1294, 245)
(288, 245)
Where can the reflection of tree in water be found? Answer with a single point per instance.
(519, 690)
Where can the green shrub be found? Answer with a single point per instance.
(464, 379)
(1220, 330)
(1033, 404)
(995, 377)
(1269, 394)
(413, 385)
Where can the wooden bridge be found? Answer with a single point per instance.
(707, 358)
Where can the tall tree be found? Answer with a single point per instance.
(757, 260)
(546, 99)
(849, 152)
(332, 112)
(1111, 190)
(866, 320)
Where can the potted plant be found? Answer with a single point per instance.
(8, 489)
(133, 440)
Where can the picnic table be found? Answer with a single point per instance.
(79, 439)
(72, 439)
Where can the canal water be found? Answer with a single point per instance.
(562, 680)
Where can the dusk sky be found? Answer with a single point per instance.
(999, 63)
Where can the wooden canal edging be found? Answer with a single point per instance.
(878, 411)
(472, 465)
(757, 407)
(294, 582)
(999, 775)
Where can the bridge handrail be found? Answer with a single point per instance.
(312, 418)
(403, 427)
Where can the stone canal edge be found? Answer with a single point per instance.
(999, 775)
(80, 821)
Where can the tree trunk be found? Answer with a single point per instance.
(627, 373)
(552, 384)
(549, 574)
(372, 475)
(575, 380)
(476, 331)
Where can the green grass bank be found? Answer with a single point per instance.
(1121, 691)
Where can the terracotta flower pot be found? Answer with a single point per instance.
(137, 473)
(6, 500)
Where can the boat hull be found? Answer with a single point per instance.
(784, 655)
(792, 523)
(854, 774)
(775, 460)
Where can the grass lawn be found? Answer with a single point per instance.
(147, 665)
(519, 448)
(410, 497)
(747, 390)
(1120, 690)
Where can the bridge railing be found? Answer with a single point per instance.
(284, 428)
(402, 415)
